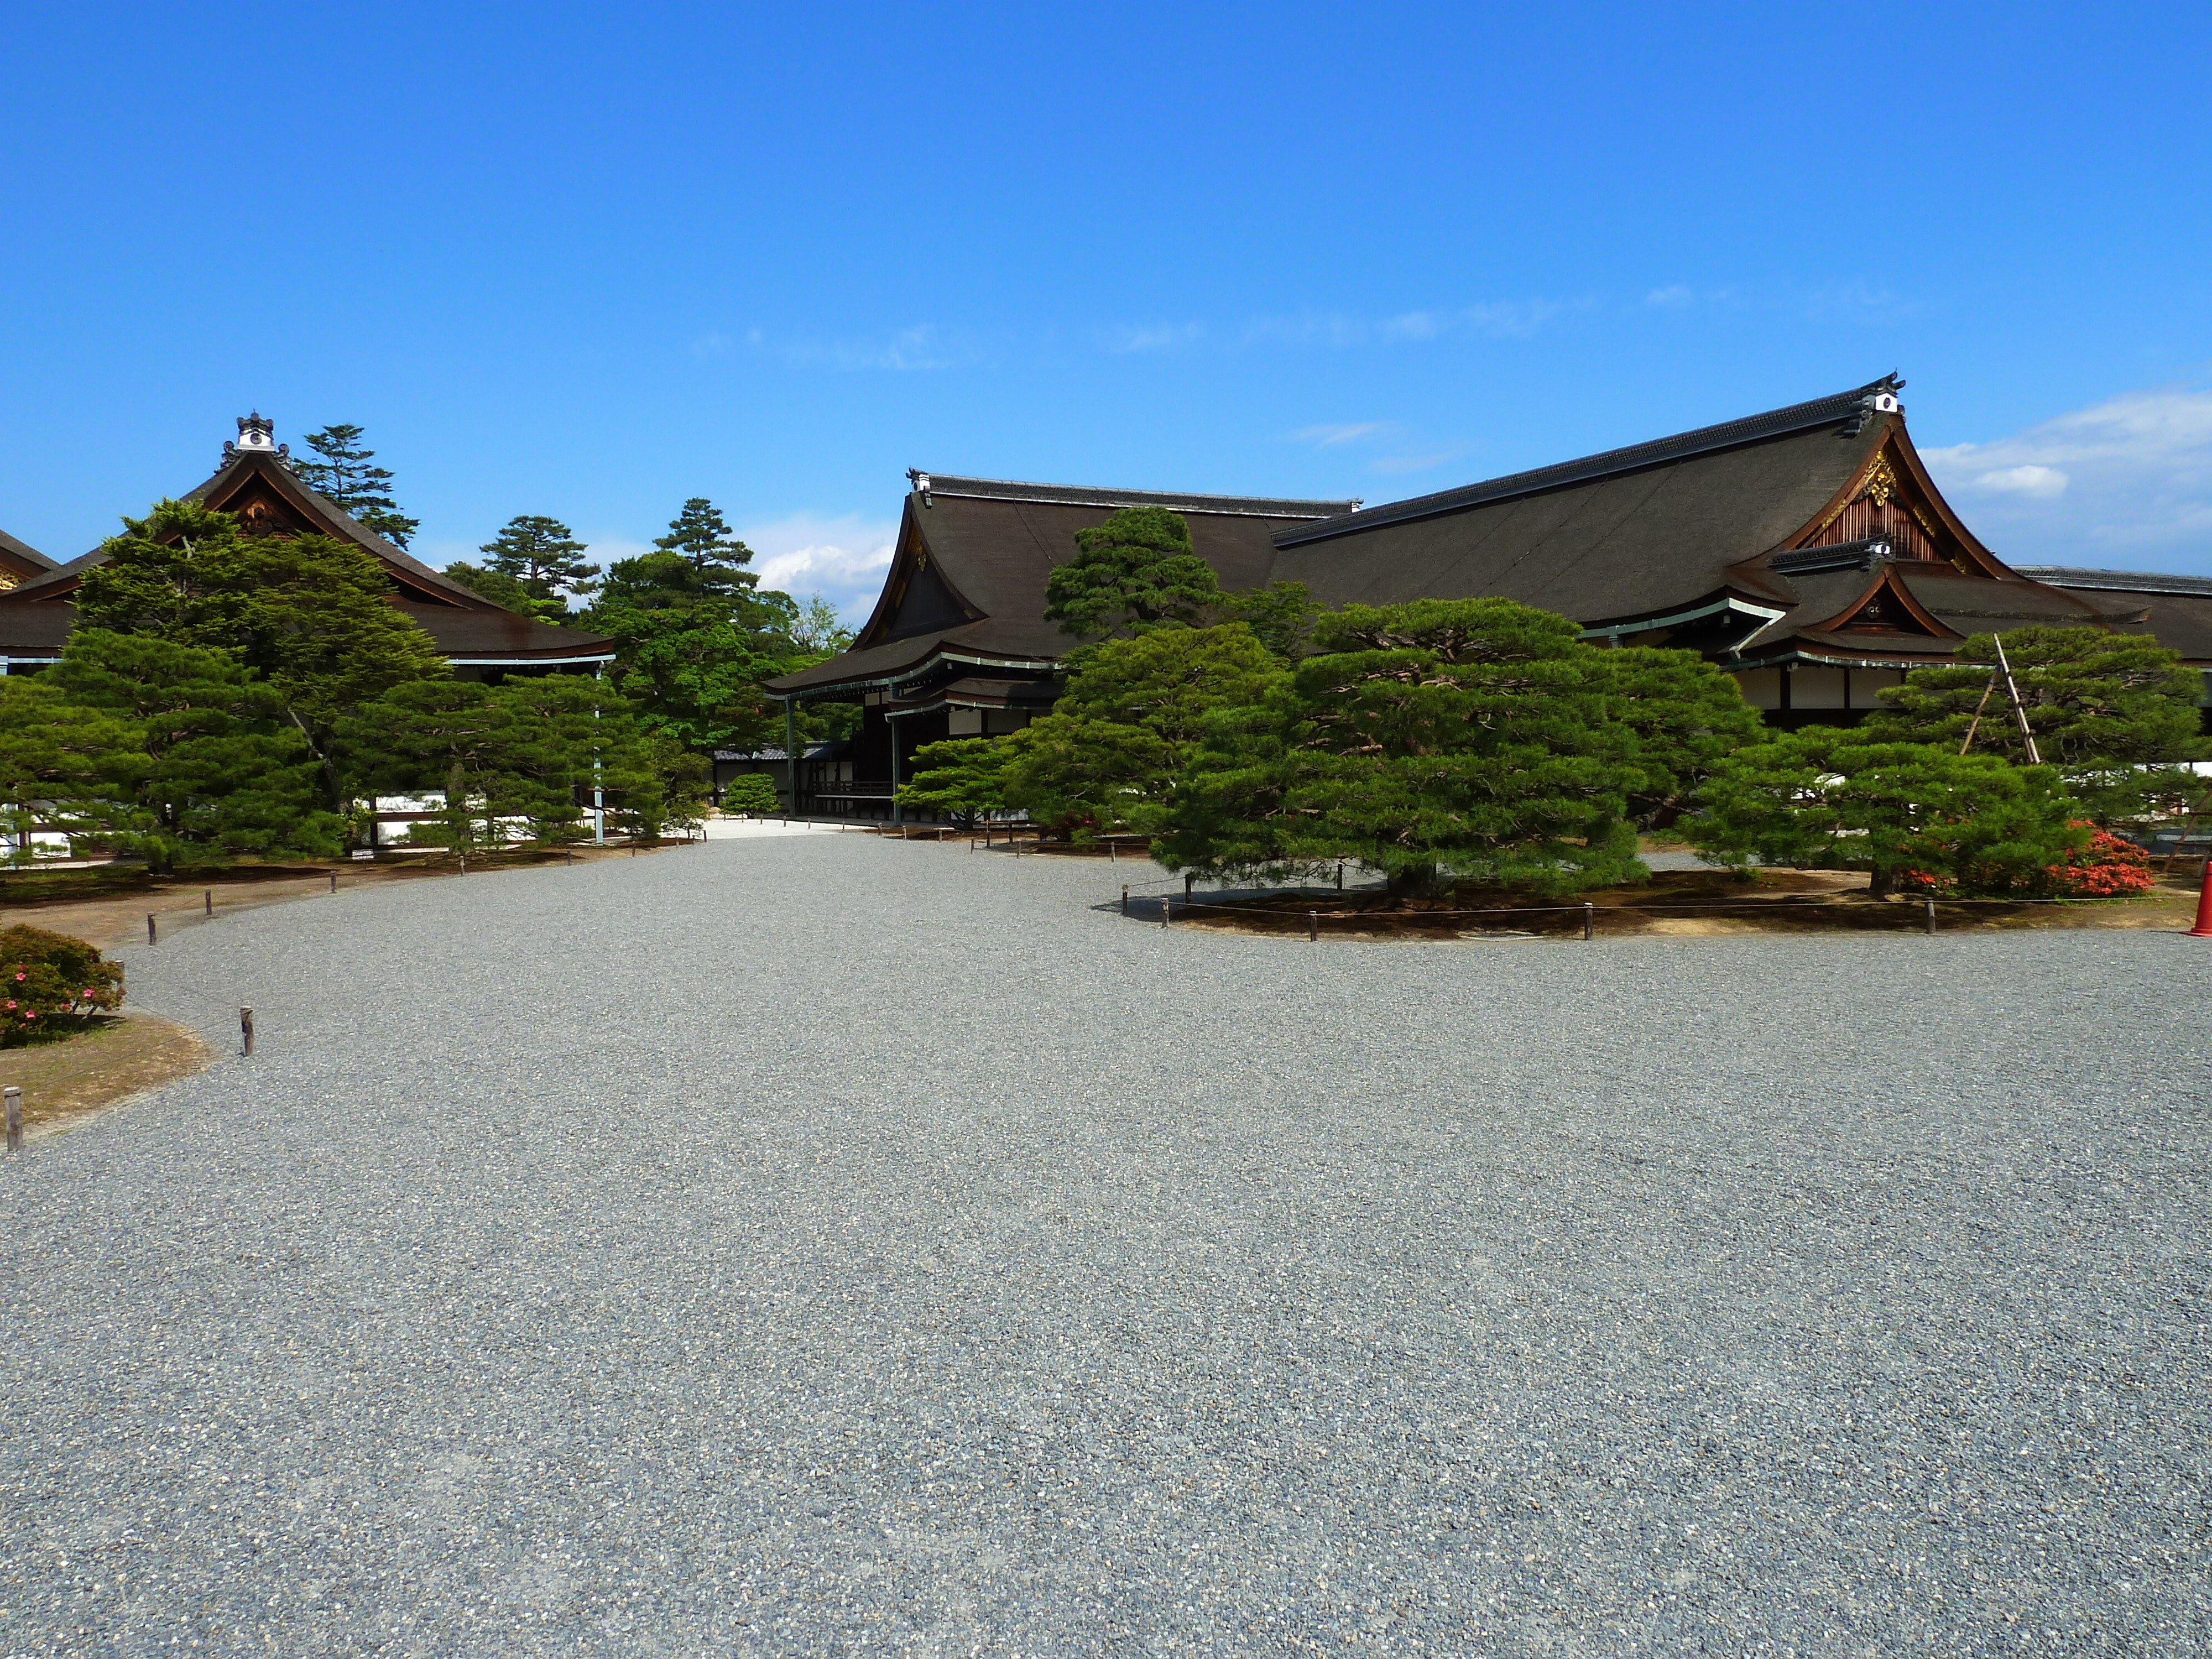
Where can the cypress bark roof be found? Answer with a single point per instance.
(258, 487)
(21, 559)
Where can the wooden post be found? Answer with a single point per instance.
(246, 1030)
(1931, 917)
(150, 937)
(1125, 901)
(210, 901)
(15, 1099)
(1167, 907)
(1590, 920)
(334, 881)
(1339, 875)
(1313, 927)
(1189, 881)
(1113, 850)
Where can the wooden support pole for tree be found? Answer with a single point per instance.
(246, 1030)
(2019, 709)
(15, 1110)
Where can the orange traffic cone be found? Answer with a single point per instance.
(2204, 927)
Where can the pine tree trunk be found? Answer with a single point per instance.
(1416, 882)
(1882, 882)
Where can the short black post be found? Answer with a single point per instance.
(1590, 920)
(334, 881)
(15, 1099)
(246, 1030)
(210, 901)
(1125, 901)
(150, 937)
(1313, 926)
(1167, 907)
(1189, 881)
(1113, 851)
(1339, 875)
(1931, 917)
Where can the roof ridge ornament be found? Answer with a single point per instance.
(919, 480)
(257, 435)
(1880, 398)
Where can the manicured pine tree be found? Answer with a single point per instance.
(345, 478)
(1136, 571)
(2117, 713)
(701, 536)
(1830, 799)
(214, 771)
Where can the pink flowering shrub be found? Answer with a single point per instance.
(50, 984)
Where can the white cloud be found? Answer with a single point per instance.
(1154, 336)
(2129, 478)
(843, 559)
(1671, 297)
(1500, 320)
(1325, 436)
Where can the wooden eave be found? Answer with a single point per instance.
(913, 557)
(1896, 449)
(1886, 581)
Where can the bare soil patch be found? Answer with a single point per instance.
(108, 905)
(114, 1060)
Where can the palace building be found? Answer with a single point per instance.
(1805, 549)
(255, 483)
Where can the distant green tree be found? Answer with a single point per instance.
(343, 477)
(213, 772)
(504, 591)
(750, 791)
(1824, 799)
(819, 630)
(1136, 571)
(1471, 740)
(701, 536)
(962, 777)
(2117, 713)
(544, 556)
(309, 614)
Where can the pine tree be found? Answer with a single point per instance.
(214, 771)
(2117, 713)
(1824, 799)
(345, 479)
(701, 536)
(544, 556)
(1136, 571)
(1475, 738)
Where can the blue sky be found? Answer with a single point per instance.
(591, 260)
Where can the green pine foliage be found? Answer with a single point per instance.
(1136, 571)
(343, 474)
(504, 591)
(701, 536)
(1828, 800)
(1470, 740)
(962, 777)
(309, 615)
(212, 770)
(1110, 754)
(2117, 713)
(1281, 615)
(54, 755)
(544, 558)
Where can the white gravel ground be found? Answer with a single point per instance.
(816, 1244)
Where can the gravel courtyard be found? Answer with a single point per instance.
(830, 1245)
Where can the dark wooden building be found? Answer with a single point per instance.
(20, 561)
(1807, 550)
(959, 645)
(255, 483)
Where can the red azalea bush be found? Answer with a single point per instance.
(50, 983)
(2103, 867)
(2108, 868)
